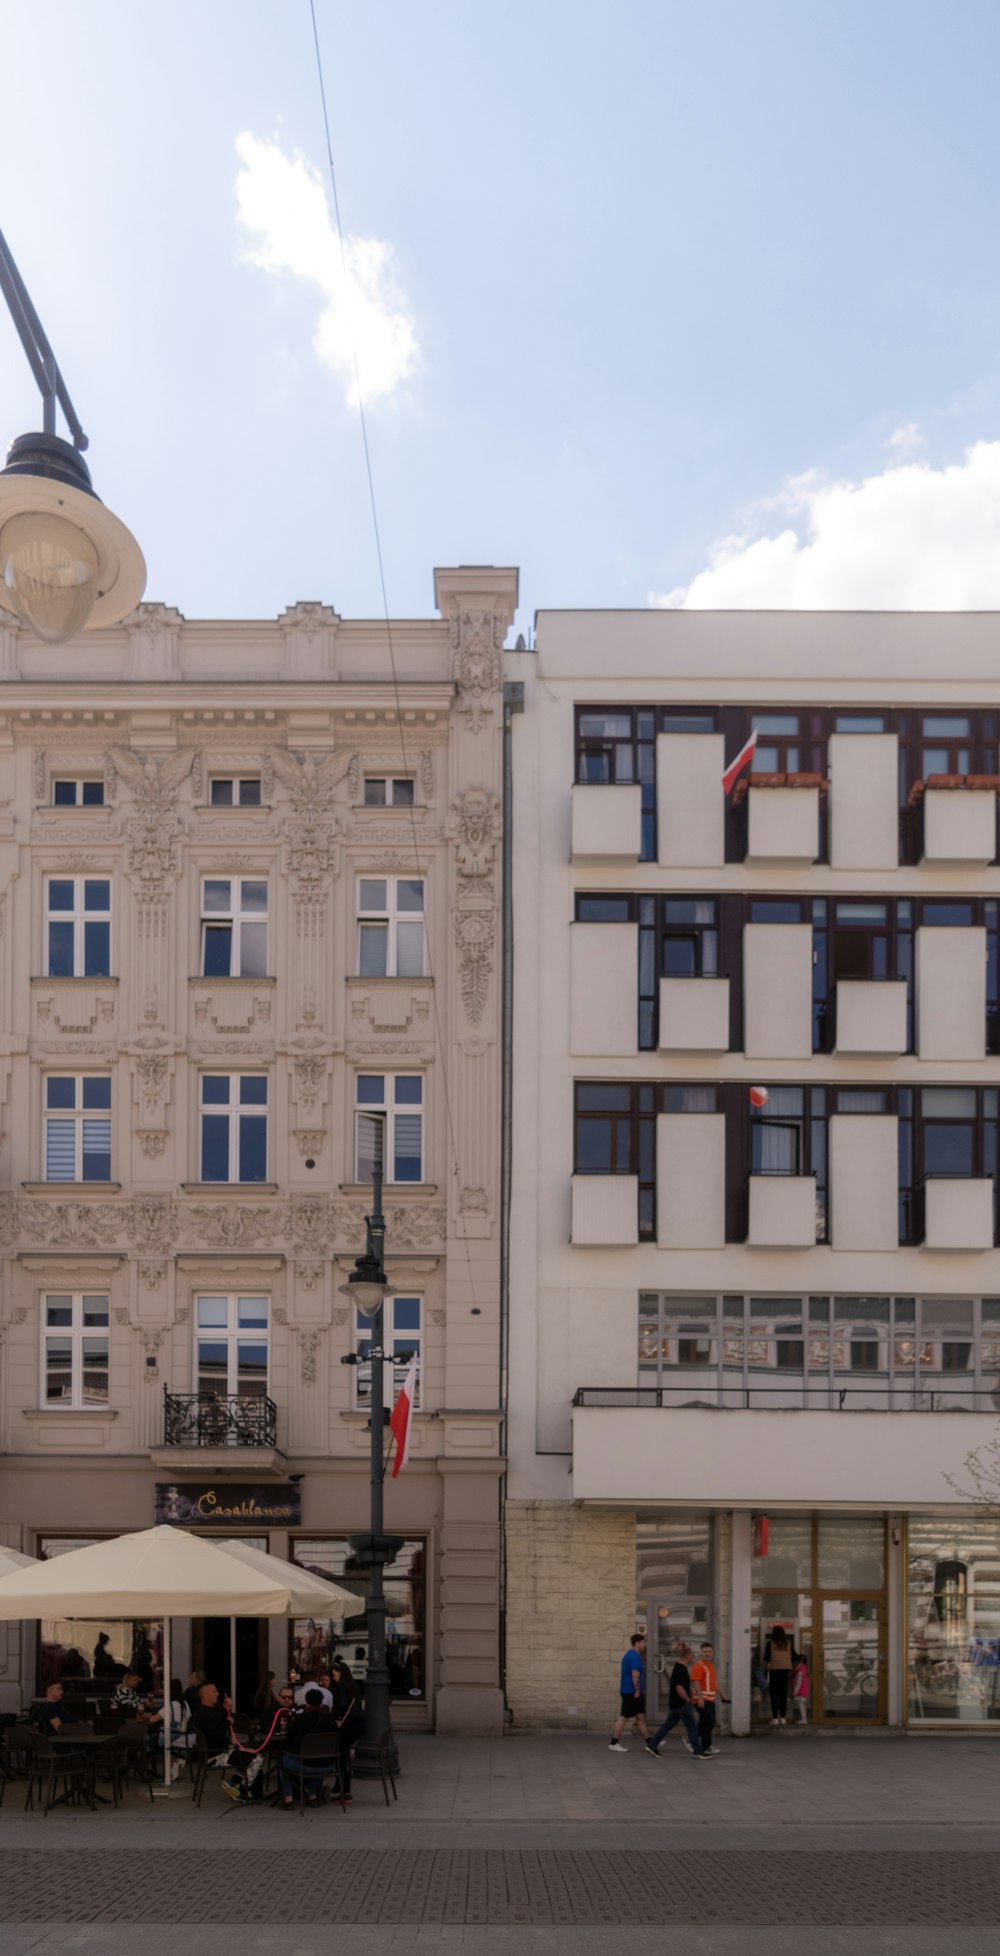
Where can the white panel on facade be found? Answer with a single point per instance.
(784, 825)
(951, 993)
(691, 806)
(694, 1015)
(782, 1212)
(864, 801)
(864, 1181)
(960, 826)
(871, 1016)
(605, 1210)
(958, 1213)
(777, 991)
(691, 1181)
(604, 989)
(607, 823)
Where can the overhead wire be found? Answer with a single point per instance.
(439, 1041)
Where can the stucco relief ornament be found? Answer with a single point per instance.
(234, 1228)
(10, 1222)
(308, 1271)
(152, 1270)
(474, 825)
(310, 1223)
(477, 638)
(475, 936)
(153, 831)
(309, 1341)
(151, 1223)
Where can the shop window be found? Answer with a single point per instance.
(954, 1618)
(315, 1641)
(89, 1656)
(77, 927)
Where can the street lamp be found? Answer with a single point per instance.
(67, 565)
(368, 1287)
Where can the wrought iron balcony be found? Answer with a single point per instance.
(213, 1419)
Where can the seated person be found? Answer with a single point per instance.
(191, 1690)
(322, 1685)
(125, 1695)
(51, 1715)
(282, 1718)
(181, 1739)
(312, 1718)
(211, 1720)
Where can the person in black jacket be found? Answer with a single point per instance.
(780, 1659)
(348, 1717)
(312, 1718)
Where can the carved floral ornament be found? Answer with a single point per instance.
(158, 1226)
(477, 638)
(475, 937)
(475, 825)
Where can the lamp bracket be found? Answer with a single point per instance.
(35, 342)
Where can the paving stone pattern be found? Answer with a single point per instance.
(557, 1887)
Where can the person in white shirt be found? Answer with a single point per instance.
(322, 1685)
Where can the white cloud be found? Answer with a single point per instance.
(912, 538)
(906, 440)
(283, 210)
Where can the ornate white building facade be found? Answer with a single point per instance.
(249, 932)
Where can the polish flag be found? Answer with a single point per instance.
(401, 1418)
(759, 1096)
(743, 758)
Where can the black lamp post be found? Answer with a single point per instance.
(67, 565)
(368, 1287)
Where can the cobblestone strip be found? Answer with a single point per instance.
(492, 1888)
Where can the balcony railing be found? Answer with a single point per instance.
(212, 1419)
(895, 1397)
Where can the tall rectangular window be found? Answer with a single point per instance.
(77, 1127)
(77, 927)
(400, 1340)
(75, 1358)
(389, 1126)
(390, 927)
(231, 1349)
(234, 927)
(234, 1127)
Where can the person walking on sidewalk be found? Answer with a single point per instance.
(680, 1707)
(632, 1694)
(706, 1692)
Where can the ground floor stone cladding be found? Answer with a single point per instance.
(570, 1612)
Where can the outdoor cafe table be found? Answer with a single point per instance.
(90, 1744)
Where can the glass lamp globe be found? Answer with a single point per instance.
(49, 569)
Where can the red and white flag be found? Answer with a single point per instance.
(743, 759)
(401, 1417)
(759, 1096)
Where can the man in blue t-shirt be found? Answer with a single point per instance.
(633, 1693)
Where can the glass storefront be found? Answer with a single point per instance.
(823, 1580)
(314, 1641)
(675, 1594)
(89, 1657)
(953, 1656)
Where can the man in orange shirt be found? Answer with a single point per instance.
(706, 1687)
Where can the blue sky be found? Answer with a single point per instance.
(663, 302)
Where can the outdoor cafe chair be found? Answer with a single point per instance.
(53, 1764)
(385, 1766)
(17, 1749)
(316, 1746)
(133, 1756)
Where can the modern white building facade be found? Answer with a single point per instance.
(754, 1272)
(249, 935)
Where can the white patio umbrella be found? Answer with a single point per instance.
(308, 1594)
(11, 1559)
(157, 1572)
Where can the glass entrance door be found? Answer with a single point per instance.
(670, 1621)
(850, 1659)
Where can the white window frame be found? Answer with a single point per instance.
(390, 918)
(387, 1112)
(390, 782)
(231, 1335)
(78, 782)
(78, 1114)
(395, 1340)
(235, 916)
(75, 1334)
(80, 917)
(233, 1109)
(236, 782)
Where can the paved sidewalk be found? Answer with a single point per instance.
(533, 1844)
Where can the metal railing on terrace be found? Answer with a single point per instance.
(212, 1419)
